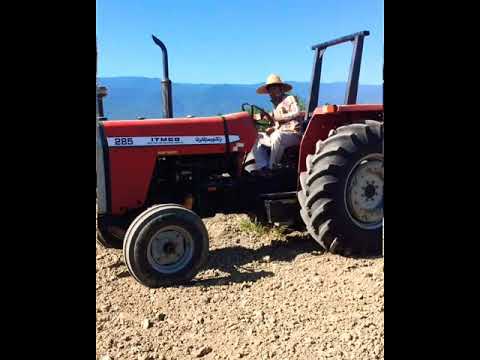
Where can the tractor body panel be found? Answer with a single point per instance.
(329, 117)
(134, 147)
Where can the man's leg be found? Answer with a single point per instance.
(260, 152)
(280, 140)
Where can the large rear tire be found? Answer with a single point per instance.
(342, 190)
(165, 245)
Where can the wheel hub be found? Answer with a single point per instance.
(364, 192)
(170, 249)
(370, 191)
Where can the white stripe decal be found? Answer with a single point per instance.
(123, 141)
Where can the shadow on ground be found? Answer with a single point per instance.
(231, 259)
(234, 260)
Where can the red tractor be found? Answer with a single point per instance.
(157, 179)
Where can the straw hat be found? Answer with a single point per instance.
(273, 79)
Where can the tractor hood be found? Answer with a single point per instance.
(183, 136)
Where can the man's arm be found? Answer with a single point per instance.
(293, 111)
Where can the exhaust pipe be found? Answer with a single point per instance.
(166, 83)
(101, 93)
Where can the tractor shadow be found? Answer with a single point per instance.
(231, 259)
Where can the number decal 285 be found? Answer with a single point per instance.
(123, 141)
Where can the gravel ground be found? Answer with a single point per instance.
(259, 297)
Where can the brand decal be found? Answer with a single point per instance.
(128, 141)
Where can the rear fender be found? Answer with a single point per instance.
(317, 129)
(327, 118)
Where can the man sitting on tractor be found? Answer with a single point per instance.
(286, 120)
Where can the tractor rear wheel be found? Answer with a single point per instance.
(342, 190)
(165, 245)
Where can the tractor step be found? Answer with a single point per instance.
(279, 195)
(281, 208)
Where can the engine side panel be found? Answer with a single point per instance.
(134, 146)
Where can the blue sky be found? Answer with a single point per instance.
(236, 42)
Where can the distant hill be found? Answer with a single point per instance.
(131, 97)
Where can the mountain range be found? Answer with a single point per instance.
(132, 97)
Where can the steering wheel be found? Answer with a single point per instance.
(263, 113)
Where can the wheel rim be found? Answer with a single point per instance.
(364, 192)
(170, 249)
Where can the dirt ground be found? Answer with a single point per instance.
(259, 297)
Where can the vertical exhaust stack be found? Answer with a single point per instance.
(101, 90)
(101, 93)
(166, 83)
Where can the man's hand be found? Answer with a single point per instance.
(270, 130)
(268, 117)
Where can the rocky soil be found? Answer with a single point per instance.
(260, 297)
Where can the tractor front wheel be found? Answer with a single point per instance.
(342, 190)
(165, 245)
